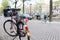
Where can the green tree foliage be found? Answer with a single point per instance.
(1, 9)
(4, 5)
(56, 4)
(38, 7)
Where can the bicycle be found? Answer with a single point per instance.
(16, 27)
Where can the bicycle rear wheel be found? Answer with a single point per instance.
(20, 25)
(10, 28)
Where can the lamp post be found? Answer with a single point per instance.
(23, 6)
(15, 3)
(30, 9)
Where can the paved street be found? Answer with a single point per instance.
(44, 31)
(39, 30)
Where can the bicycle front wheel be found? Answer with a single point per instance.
(28, 37)
(10, 28)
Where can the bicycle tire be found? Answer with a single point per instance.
(19, 24)
(28, 37)
(19, 30)
(5, 28)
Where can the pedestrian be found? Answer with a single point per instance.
(45, 18)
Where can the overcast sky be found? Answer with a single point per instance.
(33, 1)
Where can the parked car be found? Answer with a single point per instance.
(26, 16)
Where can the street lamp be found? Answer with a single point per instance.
(30, 8)
(15, 3)
(23, 6)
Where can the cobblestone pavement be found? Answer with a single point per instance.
(38, 30)
(44, 31)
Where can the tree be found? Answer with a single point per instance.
(56, 4)
(36, 7)
(4, 5)
(39, 7)
(50, 16)
(1, 9)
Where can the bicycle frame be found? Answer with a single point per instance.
(15, 26)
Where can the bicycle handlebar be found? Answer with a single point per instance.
(13, 9)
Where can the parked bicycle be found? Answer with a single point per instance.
(15, 28)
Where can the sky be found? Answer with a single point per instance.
(0, 2)
(32, 1)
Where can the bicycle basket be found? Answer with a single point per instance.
(10, 12)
